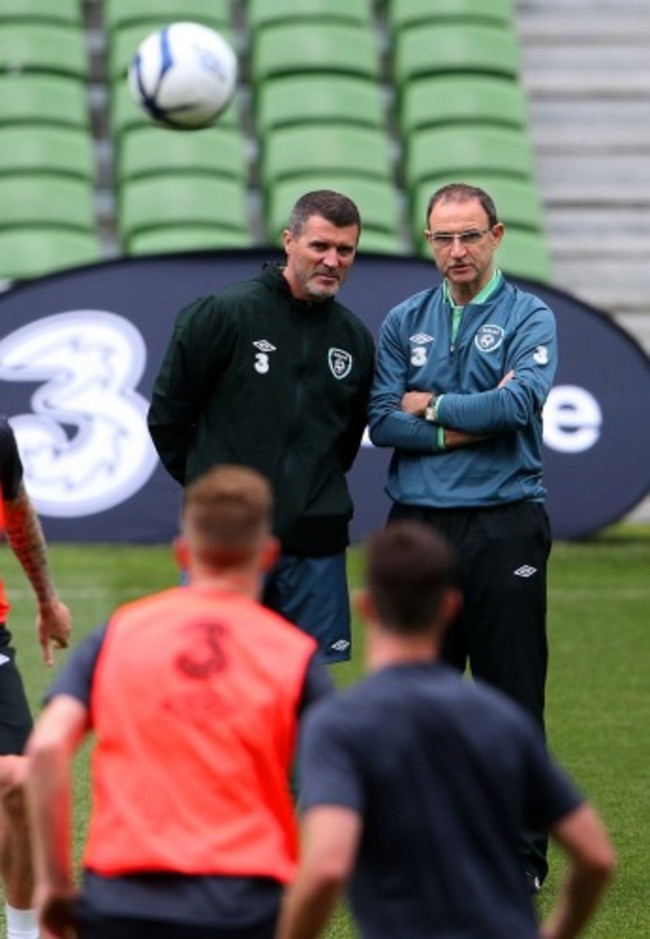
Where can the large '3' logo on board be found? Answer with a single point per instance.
(86, 447)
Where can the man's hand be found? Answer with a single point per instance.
(459, 438)
(415, 402)
(56, 913)
(54, 625)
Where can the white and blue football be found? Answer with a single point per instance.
(184, 75)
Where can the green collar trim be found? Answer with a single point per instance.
(481, 296)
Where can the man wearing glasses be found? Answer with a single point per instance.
(463, 371)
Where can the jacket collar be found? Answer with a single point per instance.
(271, 275)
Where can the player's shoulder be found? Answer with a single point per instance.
(218, 313)
(424, 301)
(232, 296)
(246, 289)
(353, 322)
(353, 712)
(524, 303)
(344, 706)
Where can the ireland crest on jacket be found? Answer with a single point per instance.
(340, 362)
(488, 338)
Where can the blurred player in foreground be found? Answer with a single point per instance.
(415, 783)
(23, 530)
(194, 696)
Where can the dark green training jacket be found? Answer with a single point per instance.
(254, 376)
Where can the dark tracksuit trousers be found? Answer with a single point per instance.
(503, 553)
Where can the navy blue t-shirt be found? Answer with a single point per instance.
(220, 902)
(445, 774)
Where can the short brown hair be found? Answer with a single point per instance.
(333, 206)
(408, 568)
(226, 512)
(463, 192)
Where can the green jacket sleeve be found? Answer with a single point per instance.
(188, 372)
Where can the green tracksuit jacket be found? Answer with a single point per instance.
(254, 376)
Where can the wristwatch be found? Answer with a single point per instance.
(430, 410)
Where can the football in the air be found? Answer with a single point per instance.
(184, 75)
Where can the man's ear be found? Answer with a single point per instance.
(451, 605)
(364, 604)
(497, 232)
(269, 554)
(181, 551)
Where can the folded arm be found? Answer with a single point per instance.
(396, 415)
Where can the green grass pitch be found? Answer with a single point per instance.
(598, 698)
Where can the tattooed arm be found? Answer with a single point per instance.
(27, 541)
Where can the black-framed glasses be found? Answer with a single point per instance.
(444, 239)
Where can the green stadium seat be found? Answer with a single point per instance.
(471, 148)
(518, 201)
(63, 150)
(379, 242)
(308, 98)
(377, 199)
(467, 49)
(123, 43)
(149, 150)
(326, 147)
(30, 251)
(263, 13)
(403, 13)
(156, 201)
(175, 238)
(121, 13)
(298, 48)
(453, 99)
(125, 115)
(47, 199)
(49, 47)
(55, 11)
(28, 98)
(524, 253)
